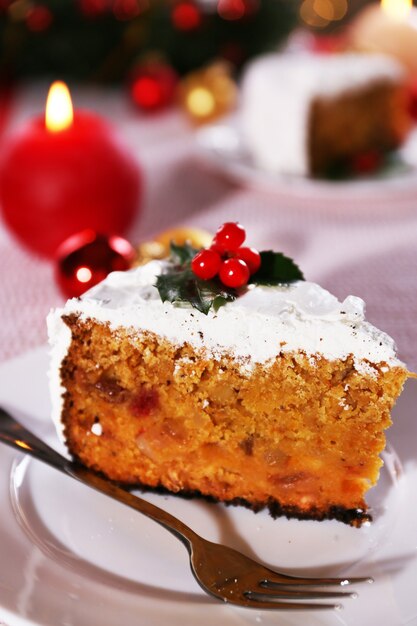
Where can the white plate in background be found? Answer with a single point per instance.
(221, 147)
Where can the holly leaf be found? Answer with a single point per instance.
(179, 284)
(184, 286)
(276, 269)
(182, 254)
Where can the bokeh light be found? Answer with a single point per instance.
(38, 18)
(186, 16)
(201, 102)
(320, 13)
(397, 9)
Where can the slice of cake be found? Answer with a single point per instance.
(322, 114)
(277, 398)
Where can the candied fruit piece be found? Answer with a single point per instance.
(144, 402)
(111, 390)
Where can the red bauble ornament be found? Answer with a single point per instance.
(153, 86)
(56, 184)
(87, 258)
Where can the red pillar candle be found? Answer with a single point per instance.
(64, 173)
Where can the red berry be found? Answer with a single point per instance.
(229, 237)
(251, 257)
(206, 264)
(234, 273)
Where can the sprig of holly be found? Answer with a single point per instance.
(211, 280)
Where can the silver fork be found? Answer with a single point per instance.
(221, 571)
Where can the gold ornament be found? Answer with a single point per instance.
(159, 247)
(197, 237)
(208, 94)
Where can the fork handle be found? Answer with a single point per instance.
(13, 434)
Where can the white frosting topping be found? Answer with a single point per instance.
(254, 328)
(277, 93)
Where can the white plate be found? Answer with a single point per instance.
(74, 557)
(221, 146)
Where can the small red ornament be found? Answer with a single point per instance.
(87, 258)
(153, 86)
(186, 16)
(234, 273)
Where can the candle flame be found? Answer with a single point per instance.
(59, 114)
(397, 9)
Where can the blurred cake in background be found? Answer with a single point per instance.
(314, 115)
